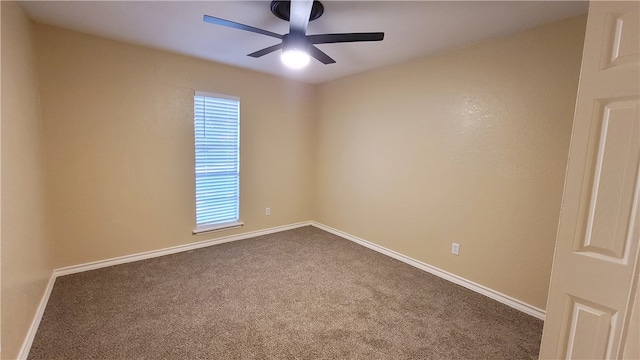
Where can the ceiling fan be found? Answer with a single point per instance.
(297, 46)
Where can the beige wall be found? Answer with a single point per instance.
(118, 125)
(467, 147)
(25, 241)
(0, 186)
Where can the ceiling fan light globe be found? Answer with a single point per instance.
(295, 59)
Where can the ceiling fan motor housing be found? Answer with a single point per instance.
(295, 41)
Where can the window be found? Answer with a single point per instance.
(217, 167)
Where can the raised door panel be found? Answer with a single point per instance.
(623, 45)
(608, 223)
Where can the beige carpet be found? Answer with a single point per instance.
(299, 294)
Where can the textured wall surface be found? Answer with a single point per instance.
(118, 125)
(468, 147)
(26, 246)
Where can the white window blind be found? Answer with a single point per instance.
(217, 144)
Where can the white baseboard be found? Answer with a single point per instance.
(172, 250)
(495, 295)
(31, 334)
(26, 345)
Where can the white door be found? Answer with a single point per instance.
(595, 269)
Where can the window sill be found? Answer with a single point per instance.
(217, 227)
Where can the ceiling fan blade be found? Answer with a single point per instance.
(346, 37)
(320, 56)
(299, 16)
(266, 51)
(235, 25)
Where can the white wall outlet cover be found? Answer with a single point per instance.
(455, 249)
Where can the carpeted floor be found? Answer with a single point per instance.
(299, 294)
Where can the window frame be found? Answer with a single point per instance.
(210, 227)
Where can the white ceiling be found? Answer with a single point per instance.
(413, 29)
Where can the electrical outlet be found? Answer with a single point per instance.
(455, 249)
(267, 211)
